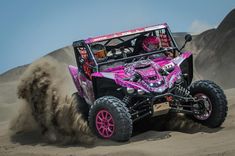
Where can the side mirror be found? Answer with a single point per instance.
(188, 38)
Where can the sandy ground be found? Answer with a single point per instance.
(203, 141)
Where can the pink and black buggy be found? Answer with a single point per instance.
(118, 83)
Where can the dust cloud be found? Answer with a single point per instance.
(46, 107)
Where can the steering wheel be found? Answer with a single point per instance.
(121, 52)
(125, 51)
(114, 54)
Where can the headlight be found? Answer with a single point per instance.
(140, 91)
(130, 90)
(151, 85)
(156, 84)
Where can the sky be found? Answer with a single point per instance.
(30, 29)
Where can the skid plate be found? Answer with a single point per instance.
(161, 108)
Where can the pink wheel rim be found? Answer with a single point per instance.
(104, 123)
(208, 107)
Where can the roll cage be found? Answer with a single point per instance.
(119, 36)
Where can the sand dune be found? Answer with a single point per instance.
(180, 136)
(216, 52)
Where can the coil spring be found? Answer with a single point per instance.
(179, 90)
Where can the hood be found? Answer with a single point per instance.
(148, 70)
(148, 73)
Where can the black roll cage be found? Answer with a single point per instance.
(138, 56)
(96, 65)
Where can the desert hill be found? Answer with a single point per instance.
(216, 48)
(12, 74)
(63, 55)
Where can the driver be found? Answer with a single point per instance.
(153, 43)
(99, 51)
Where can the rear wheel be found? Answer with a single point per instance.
(82, 106)
(213, 105)
(110, 119)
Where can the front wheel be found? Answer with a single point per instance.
(214, 106)
(109, 118)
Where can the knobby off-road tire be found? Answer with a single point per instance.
(116, 123)
(217, 100)
(82, 106)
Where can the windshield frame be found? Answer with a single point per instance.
(138, 56)
(97, 65)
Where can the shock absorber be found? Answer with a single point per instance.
(179, 90)
(127, 100)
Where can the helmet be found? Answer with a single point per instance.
(151, 43)
(99, 51)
